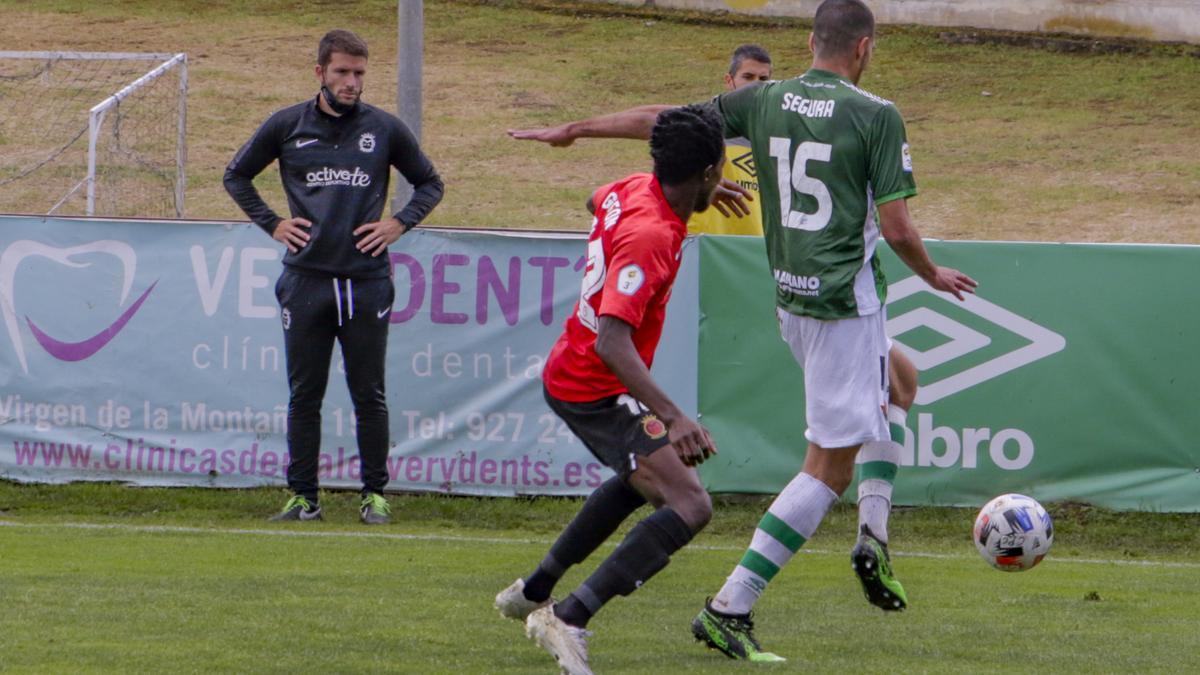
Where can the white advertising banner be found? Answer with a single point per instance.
(152, 352)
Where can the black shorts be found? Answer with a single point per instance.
(617, 429)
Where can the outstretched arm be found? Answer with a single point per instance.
(633, 123)
(731, 198)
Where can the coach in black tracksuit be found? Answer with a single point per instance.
(335, 154)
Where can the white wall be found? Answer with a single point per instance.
(1177, 20)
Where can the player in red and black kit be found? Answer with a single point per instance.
(335, 156)
(597, 379)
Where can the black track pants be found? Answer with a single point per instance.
(316, 310)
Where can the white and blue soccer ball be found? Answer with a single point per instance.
(1013, 532)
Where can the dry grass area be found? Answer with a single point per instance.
(1010, 142)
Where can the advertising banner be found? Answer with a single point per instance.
(152, 352)
(1071, 375)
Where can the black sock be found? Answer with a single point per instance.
(572, 611)
(603, 512)
(645, 551)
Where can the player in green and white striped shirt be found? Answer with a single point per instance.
(834, 173)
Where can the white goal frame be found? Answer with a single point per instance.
(98, 112)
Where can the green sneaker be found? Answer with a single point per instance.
(873, 565)
(375, 510)
(298, 508)
(733, 636)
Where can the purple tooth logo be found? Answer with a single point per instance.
(78, 351)
(65, 351)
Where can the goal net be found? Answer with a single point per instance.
(92, 133)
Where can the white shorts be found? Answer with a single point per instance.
(845, 376)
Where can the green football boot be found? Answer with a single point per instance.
(732, 635)
(873, 565)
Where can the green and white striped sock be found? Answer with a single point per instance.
(878, 462)
(790, 521)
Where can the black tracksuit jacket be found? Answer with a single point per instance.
(335, 173)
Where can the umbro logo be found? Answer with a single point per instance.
(307, 141)
(992, 329)
(746, 163)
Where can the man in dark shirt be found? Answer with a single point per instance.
(335, 154)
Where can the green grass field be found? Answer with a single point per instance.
(104, 578)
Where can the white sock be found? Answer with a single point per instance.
(878, 462)
(790, 521)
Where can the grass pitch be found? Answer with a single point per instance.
(102, 578)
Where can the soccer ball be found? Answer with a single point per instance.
(1013, 532)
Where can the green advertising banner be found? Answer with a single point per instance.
(1071, 375)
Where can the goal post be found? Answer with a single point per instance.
(96, 121)
(93, 133)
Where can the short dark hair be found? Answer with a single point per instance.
(685, 141)
(338, 40)
(752, 52)
(840, 24)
